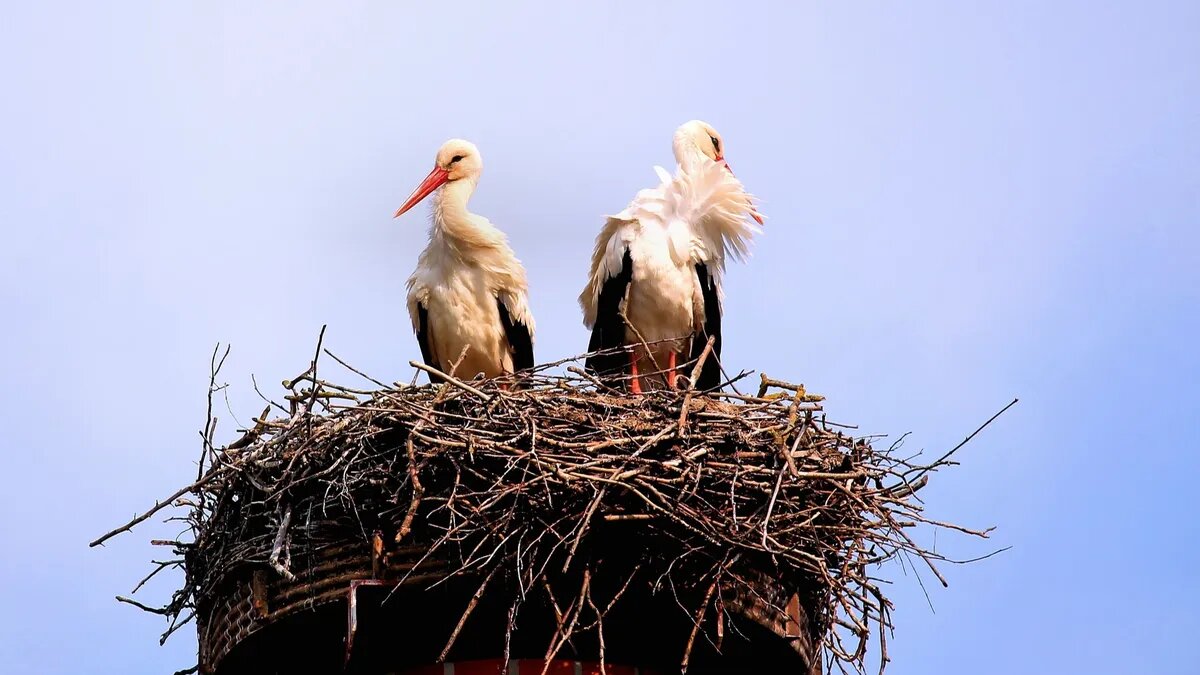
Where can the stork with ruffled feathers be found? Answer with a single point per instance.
(469, 290)
(656, 272)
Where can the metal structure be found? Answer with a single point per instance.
(356, 609)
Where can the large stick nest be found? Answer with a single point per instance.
(512, 481)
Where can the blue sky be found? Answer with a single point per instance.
(967, 204)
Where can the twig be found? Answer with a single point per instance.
(157, 507)
(449, 378)
(943, 458)
(466, 613)
(163, 611)
(356, 371)
(279, 544)
(687, 398)
(418, 491)
(696, 623)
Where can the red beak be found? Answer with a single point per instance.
(433, 181)
(753, 214)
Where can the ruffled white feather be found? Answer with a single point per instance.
(703, 211)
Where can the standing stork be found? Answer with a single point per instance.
(469, 289)
(655, 279)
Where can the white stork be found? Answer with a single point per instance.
(656, 270)
(469, 289)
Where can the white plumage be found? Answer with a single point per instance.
(657, 265)
(469, 290)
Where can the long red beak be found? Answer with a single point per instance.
(753, 214)
(433, 181)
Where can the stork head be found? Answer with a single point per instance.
(697, 136)
(700, 137)
(456, 160)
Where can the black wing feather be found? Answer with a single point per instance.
(710, 374)
(423, 341)
(518, 338)
(609, 331)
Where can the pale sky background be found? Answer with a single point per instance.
(966, 205)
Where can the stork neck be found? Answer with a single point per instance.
(688, 154)
(450, 214)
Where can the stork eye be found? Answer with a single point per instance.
(456, 158)
(716, 144)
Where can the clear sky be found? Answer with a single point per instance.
(966, 204)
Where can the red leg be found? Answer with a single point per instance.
(671, 371)
(635, 384)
